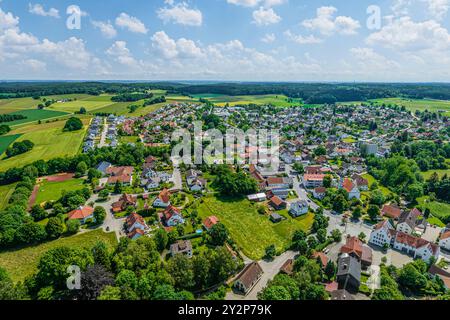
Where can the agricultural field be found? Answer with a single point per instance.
(416, 104)
(251, 231)
(23, 262)
(6, 192)
(52, 191)
(222, 100)
(35, 115)
(6, 141)
(50, 142)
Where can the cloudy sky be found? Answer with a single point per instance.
(247, 40)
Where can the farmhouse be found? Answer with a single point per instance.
(82, 214)
(248, 277)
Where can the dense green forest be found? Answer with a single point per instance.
(309, 92)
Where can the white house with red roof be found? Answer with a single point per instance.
(319, 192)
(408, 221)
(82, 213)
(135, 221)
(210, 222)
(444, 240)
(352, 189)
(163, 199)
(172, 216)
(417, 247)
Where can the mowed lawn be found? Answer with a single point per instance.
(427, 174)
(251, 231)
(5, 141)
(6, 192)
(35, 115)
(52, 191)
(23, 262)
(49, 142)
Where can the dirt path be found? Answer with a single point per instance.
(33, 197)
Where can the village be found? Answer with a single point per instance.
(321, 165)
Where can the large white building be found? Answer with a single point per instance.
(444, 240)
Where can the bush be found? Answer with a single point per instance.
(73, 124)
(73, 226)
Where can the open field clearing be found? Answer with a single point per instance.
(23, 262)
(427, 174)
(222, 100)
(50, 142)
(6, 141)
(371, 180)
(251, 231)
(440, 210)
(5, 192)
(52, 191)
(421, 105)
(35, 115)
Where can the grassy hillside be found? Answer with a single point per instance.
(23, 262)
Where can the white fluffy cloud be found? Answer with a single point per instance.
(106, 28)
(438, 9)
(327, 24)
(121, 54)
(39, 10)
(181, 14)
(265, 17)
(170, 48)
(268, 38)
(34, 65)
(299, 39)
(130, 23)
(254, 3)
(369, 59)
(8, 20)
(405, 34)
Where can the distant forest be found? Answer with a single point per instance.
(314, 93)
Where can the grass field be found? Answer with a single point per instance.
(251, 231)
(50, 142)
(427, 174)
(438, 209)
(35, 115)
(49, 191)
(222, 100)
(5, 141)
(371, 180)
(416, 104)
(23, 262)
(5, 193)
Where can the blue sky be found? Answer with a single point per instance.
(248, 40)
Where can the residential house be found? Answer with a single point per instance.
(163, 199)
(135, 221)
(351, 188)
(278, 183)
(181, 247)
(280, 193)
(313, 180)
(247, 279)
(357, 249)
(287, 267)
(210, 222)
(103, 167)
(349, 273)
(299, 208)
(124, 201)
(408, 221)
(319, 192)
(277, 203)
(361, 183)
(172, 216)
(321, 257)
(82, 214)
(122, 175)
(444, 240)
(136, 234)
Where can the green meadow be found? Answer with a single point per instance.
(6, 141)
(276, 100)
(52, 191)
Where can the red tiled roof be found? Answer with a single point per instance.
(275, 180)
(164, 196)
(391, 211)
(210, 222)
(353, 244)
(313, 177)
(323, 258)
(320, 190)
(133, 218)
(445, 235)
(170, 211)
(412, 241)
(119, 171)
(134, 232)
(332, 286)
(81, 213)
(348, 185)
(276, 201)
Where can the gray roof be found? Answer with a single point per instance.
(347, 265)
(103, 166)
